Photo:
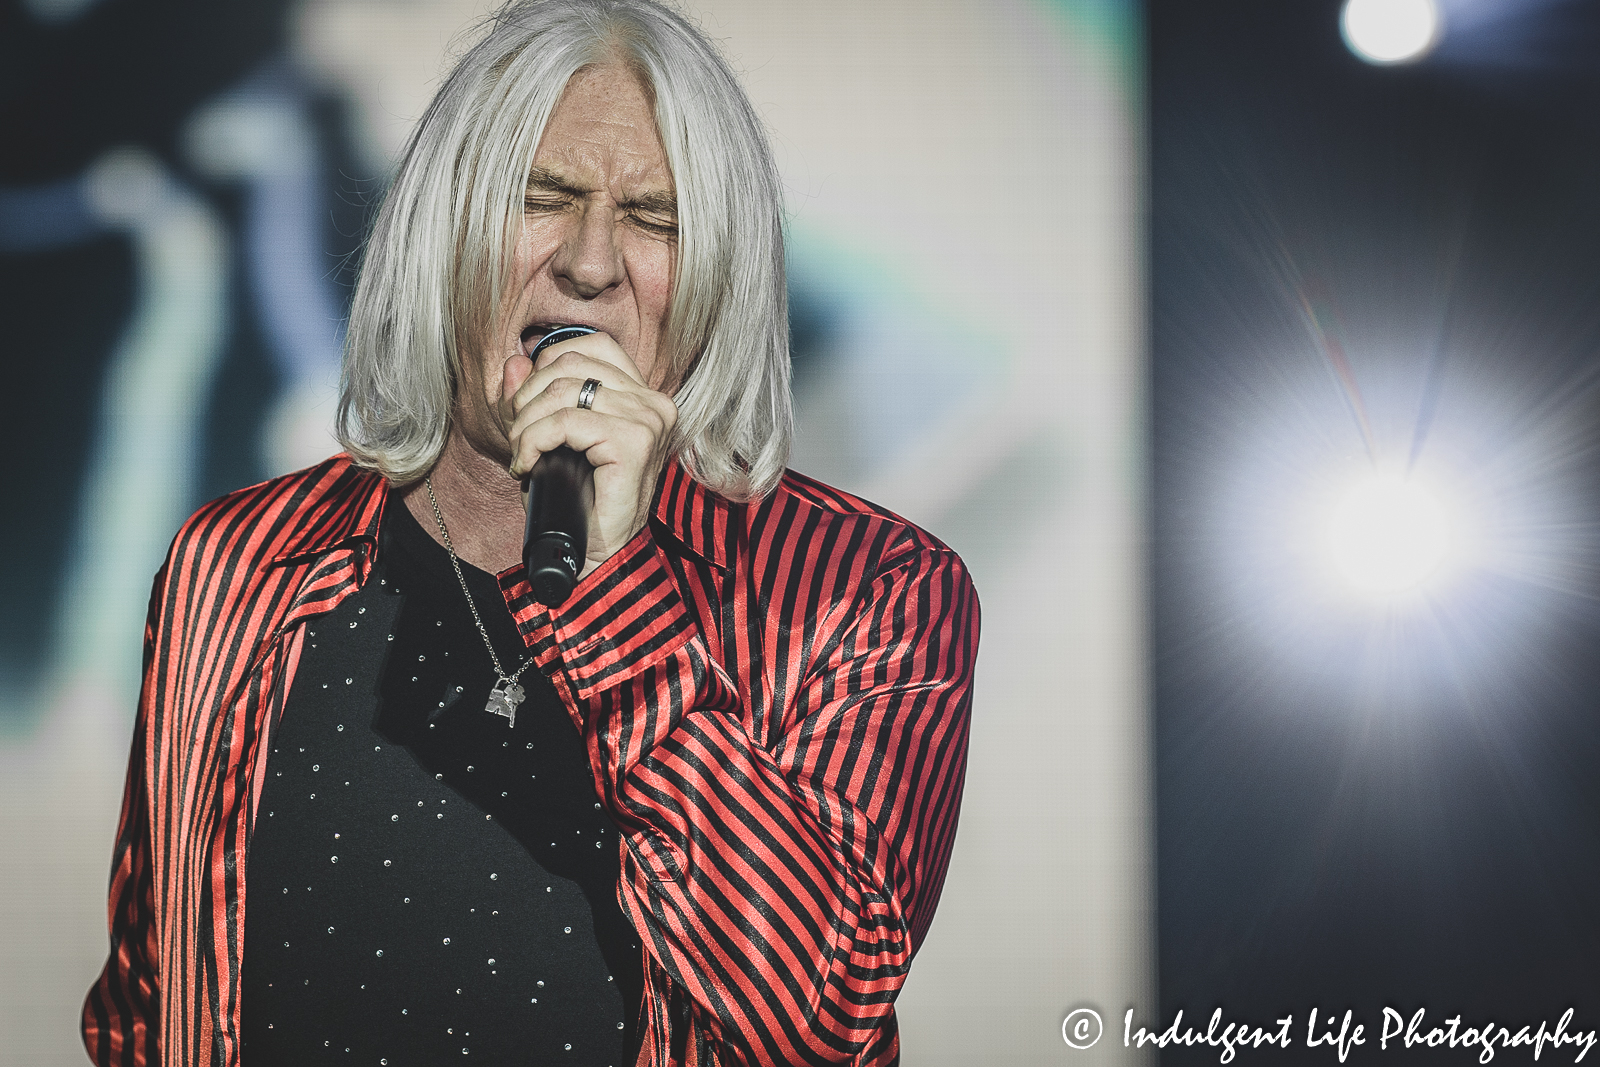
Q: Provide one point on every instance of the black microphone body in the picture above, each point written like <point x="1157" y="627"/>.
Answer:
<point x="560" y="493"/>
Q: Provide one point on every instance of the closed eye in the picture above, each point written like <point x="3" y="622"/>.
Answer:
<point x="655" y="212"/>
<point x="665" y="226"/>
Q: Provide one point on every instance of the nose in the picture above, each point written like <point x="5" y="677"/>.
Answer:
<point x="589" y="260"/>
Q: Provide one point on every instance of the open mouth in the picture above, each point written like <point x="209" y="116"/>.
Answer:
<point x="535" y="332"/>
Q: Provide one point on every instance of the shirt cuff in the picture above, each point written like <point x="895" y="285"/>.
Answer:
<point x="623" y="618"/>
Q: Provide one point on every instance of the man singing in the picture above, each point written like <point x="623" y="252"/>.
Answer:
<point x="383" y="806"/>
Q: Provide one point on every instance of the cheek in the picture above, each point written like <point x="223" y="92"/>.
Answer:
<point x="472" y="389"/>
<point x="653" y="282"/>
<point x="541" y="239"/>
<point x="653" y="290"/>
<point x="477" y="386"/>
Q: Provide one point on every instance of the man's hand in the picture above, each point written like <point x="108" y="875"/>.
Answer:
<point x="624" y="435"/>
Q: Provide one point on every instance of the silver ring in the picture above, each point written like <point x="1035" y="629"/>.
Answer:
<point x="586" y="394"/>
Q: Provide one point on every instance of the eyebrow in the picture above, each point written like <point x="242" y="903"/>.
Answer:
<point x="655" y="203"/>
<point x="543" y="180"/>
<point x="549" y="181"/>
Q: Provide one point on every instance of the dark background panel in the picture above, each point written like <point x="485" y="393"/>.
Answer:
<point x="1358" y="809"/>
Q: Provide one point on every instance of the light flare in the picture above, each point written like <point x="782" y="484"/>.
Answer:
<point x="1386" y="32"/>
<point x="1389" y="534"/>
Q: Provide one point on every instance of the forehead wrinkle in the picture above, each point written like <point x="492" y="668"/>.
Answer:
<point x="603" y="137"/>
<point x="634" y="178"/>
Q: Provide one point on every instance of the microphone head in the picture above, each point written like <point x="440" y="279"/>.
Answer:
<point x="559" y="334"/>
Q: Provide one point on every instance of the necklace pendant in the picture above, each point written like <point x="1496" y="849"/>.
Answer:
<point x="503" y="700"/>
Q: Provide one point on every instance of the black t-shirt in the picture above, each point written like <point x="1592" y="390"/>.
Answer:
<point x="427" y="883"/>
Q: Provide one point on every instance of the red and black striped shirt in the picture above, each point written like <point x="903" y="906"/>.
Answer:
<point x="774" y="697"/>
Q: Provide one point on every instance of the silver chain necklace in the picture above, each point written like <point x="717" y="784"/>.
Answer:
<point x="507" y="693"/>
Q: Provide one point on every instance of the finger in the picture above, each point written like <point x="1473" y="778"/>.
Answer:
<point x="578" y="366"/>
<point x="642" y="422"/>
<point x="513" y="374"/>
<point x="598" y="346"/>
<point x="577" y="429"/>
<point x="636" y="405"/>
<point x="652" y="411"/>
<point x="627" y="444"/>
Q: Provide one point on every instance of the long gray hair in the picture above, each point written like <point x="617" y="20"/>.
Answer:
<point x="437" y="260"/>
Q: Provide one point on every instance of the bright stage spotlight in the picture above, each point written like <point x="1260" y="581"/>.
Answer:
<point x="1388" y="535"/>
<point x="1390" y="31"/>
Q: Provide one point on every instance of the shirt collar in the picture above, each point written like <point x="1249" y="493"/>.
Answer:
<point x="693" y="514"/>
<point x="353" y="499"/>
<point x="349" y="507"/>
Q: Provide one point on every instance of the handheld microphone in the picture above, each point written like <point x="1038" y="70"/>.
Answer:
<point x="560" y="494"/>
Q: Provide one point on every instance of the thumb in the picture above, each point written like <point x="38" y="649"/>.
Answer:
<point x="515" y="372"/>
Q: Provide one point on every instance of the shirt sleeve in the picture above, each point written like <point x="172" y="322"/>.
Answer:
<point x="785" y="885"/>
<point x="121" y="1014"/>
